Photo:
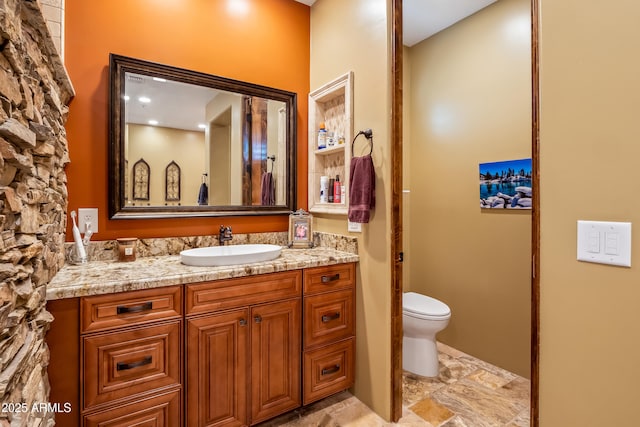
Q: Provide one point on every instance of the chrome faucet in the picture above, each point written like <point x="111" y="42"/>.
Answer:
<point x="225" y="234"/>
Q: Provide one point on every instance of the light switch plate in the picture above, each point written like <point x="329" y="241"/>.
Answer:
<point x="88" y="215"/>
<point x="605" y="242"/>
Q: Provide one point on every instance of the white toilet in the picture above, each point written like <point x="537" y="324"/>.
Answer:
<point x="423" y="317"/>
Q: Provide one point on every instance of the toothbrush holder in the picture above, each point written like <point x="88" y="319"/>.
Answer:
<point x="74" y="257"/>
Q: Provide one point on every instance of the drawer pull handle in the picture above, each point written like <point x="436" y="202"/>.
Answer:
<point x="326" y="318"/>
<point x="120" y="366"/>
<point x="331" y="370"/>
<point x="243" y="322"/>
<point x="258" y="319"/>
<point x="329" y="279"/>
<point x="135" y="308"/>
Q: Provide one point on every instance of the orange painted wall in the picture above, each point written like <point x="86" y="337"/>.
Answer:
<point x="267" y="44"/>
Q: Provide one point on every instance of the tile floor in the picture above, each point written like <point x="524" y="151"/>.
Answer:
<point x="467" y="393"/>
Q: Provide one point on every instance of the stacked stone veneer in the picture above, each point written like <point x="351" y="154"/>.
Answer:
<point x="34" y="93"/>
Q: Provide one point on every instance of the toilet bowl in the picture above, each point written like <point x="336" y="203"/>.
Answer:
<point x="423" y="317"/>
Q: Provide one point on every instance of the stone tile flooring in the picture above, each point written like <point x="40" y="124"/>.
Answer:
<point x="467" y="393"/>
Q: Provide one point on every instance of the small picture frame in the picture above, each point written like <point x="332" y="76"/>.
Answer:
<point x="300" y="229"/>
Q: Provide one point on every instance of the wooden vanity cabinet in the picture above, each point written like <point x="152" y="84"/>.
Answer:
<point x="243" y="360"/>
<point x="231" y="352"/>
<point x="329" y="331"/>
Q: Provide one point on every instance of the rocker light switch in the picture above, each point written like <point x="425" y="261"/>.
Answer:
<point x="594" y="242"/>
<point x="605" y="242"/>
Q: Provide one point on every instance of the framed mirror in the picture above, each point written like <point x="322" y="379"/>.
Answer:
<point x="235" y="143"/>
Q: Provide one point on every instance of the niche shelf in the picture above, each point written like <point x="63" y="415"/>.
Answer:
<point x="332" y="104"/>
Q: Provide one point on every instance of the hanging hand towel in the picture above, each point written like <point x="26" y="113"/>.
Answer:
<point x="203" y="195"/>
<point x="267" y="192"/>
<point x="362" y="189"/>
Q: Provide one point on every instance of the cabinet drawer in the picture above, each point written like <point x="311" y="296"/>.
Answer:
<point x="118" y="365"/>
<point x="104" y="312"/>
<point x="160" y="410"/>
<point x="328" y="317"/>
<point x="324" y="279"/>
<point x="328" y="370"/>
<point x="243" y="291"/>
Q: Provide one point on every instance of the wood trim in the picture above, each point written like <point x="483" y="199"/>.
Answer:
<point x="396" y="211"/>
<point x="535" y="214"/>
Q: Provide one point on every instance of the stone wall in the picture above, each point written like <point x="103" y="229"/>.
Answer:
<point x="34" y="93"/>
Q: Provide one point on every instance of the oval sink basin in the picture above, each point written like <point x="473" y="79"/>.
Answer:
<point x="229" y="255"/>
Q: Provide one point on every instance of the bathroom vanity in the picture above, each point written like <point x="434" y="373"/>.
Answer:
<point x="201" y="346"/>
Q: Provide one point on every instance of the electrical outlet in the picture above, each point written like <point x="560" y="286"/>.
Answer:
<point x="88" y="216"/>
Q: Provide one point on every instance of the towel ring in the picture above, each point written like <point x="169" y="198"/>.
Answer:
<point x="367" y="134"/>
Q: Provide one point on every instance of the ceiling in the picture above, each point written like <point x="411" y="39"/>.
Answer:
<point x="424" y="18"/>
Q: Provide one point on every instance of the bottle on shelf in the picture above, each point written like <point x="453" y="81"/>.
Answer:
<point x="331" y="189"/>
<point x="324" y="189"/>
<point x="337" y="190"/>
<point x="322" y="137"/>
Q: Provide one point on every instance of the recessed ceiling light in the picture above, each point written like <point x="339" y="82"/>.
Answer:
<point x="144" y="99"/>
<point x="153" y="122"/>
<point x="202" y="126"/>
<point x="238" y="7"/>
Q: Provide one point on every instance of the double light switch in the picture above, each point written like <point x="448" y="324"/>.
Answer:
<point x="605" y="242"/>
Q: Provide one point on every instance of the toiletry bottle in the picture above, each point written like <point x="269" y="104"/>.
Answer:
<point x="343" y="199"/>
<point x="331" y="189"/>
<point x="324" y="189"/>
<point x="337" y="190"/>
<point x="331" y="139"/>
<point x="322" y="137"/>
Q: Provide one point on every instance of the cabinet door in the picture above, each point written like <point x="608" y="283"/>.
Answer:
<point x="119" y="365"/>
<point x="328" y="318"/>
<point x="161" y="410"/>
<point x="328" y="370"/>
<point x="275" y="359"/>
<point x="217" y="356"/>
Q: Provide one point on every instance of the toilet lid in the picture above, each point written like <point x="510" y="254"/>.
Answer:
<point x="424" y="305"/>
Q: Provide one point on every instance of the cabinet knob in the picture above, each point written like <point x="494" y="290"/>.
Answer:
<point x="257" y="318"/>
<point x="243" y="322"/>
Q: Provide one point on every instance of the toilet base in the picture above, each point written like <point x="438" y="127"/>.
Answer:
<point x="420" y="356"/>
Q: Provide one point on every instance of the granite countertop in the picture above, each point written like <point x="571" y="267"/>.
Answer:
<point x="104" y="277"/>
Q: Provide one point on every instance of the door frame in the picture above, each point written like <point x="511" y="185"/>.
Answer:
<point x="396" y="211"/>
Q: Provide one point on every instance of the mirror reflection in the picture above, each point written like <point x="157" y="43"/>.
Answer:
<point x="186" y="143"/>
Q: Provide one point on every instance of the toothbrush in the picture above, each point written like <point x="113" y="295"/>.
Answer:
<point x="87" y="234"/>
<point x="78" y="239"/>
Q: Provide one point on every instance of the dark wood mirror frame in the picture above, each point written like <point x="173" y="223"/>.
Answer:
<point x="118" y="67"/>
